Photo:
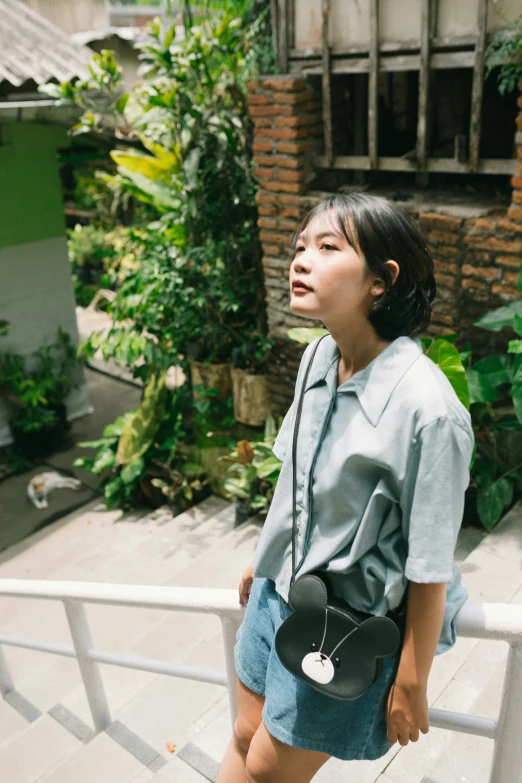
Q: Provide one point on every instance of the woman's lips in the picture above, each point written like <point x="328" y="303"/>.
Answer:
<point x="300" y="288"/>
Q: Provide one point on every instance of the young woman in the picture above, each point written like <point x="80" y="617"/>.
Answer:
<point x="383" y="452"/>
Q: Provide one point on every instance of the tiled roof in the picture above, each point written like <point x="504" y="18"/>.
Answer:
<point x="34" y="49"/>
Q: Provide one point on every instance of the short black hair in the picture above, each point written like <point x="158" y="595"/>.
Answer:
<point x="381" y="230"/>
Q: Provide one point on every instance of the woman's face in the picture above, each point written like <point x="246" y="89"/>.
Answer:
<point x="341" y="290"/>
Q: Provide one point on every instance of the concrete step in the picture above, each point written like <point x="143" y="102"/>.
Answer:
<point x="35" y="750"/>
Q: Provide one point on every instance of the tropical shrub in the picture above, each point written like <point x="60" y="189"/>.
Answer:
<point x="143" y="456"/>
<point x="505" y="52"/>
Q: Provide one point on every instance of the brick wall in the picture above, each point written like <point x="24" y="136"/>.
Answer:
<point x="476" y="259"/>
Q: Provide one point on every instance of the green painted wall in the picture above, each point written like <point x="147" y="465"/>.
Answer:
<point x="30" y="191"/>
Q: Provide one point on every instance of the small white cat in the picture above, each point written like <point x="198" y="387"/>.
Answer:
<point x="43" y="483"/>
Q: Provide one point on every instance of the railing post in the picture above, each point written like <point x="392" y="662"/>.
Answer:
<point x="507" y="756"/>
<point x="92" y="681"/>
<point x="230" y="626"/>
<point x="6" y="683"/>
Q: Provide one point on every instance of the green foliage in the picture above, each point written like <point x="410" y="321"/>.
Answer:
<point x="36" y="385"/>
<point x="138" y="433"/>
<point x="101" y="258"/>
<point x="496" y="386"/>
<point x="254" y="471"/>
<point x="162" y="472"/>
<point x="306" y="334"/>
<point x="448" y="359"/>
<point x="505" y="51"/>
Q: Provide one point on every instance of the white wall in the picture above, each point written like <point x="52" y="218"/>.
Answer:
<point x="36" y="297"/>
<point x="399" y="20"/>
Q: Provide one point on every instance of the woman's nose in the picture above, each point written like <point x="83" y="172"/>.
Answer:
<point x="301" y="262"/>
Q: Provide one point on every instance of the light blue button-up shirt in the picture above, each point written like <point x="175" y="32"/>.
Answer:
<point x="382" y="467"/>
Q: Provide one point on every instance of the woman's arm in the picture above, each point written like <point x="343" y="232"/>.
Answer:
<point x="408" y="703"/>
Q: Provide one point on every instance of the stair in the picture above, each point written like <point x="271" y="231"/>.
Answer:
<point x="46" y="732"/>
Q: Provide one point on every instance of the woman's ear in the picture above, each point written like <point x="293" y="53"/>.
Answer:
<point x="394" y="268"/>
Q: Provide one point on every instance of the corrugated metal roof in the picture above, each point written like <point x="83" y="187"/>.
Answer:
<point x="32" y="48"/>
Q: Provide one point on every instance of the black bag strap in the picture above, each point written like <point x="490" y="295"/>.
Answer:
<point x="294" y="455"/>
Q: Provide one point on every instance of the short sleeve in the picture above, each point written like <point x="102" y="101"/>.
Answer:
<point x="432" y="499"/>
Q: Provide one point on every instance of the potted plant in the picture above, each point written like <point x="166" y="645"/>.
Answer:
<point x="35" y="388"/>
<point x="252" y="476"/>
<point x="250" y="388"/>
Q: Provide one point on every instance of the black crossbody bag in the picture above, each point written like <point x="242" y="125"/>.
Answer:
<point x="325" y="643"/>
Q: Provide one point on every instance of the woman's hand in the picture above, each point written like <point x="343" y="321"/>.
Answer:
<point x="245" y="586"/>
<point x="407" y="713"/>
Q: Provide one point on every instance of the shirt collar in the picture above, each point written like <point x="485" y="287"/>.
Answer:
<point x="376" y="382"/>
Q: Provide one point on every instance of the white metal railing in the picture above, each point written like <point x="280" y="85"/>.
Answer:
<point x="501" y="622"/>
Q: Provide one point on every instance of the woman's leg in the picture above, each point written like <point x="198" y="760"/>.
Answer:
<point x="249" y="708"/>
<point x="271" y="761"/>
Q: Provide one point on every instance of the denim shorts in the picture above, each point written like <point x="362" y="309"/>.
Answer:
<point x="295" y="713"/>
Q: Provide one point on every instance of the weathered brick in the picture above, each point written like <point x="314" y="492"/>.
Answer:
<point x="515" y="213"/>
<point x="257" y="99"/>
<point x="517" y="194"/>
<point x="513" y="262"/>
<point x="262" y="146"/>
<point x="275" y="263"/>
<point x="253" y="85"/>
<point x="266" y="198"/>
<point x="272" y="250"/>
<point x="506" y="290"/>
<point x="509" y="227"/>
<point x="287" y="225"/>
<point x="297" y="121"/>
<point x="293" y="97"/>
<point x="485" y="272"/>
<point x="445" y="266"/>
<point x="519" y="166"/>
<point x="441" y="330"/>
<point x="263" y="173"/>
<point x="519" y="151"/>
<point x="274" y="237"/>
<point x="447" y="320"/>
<point x="286" y="175"/>
<point x="519" y="101"/>
<point x="262" y="122"/>
<point x="286" y="187"/>
<point x="285" y="83"/>
<point x="446" y="237"/>
<point x="295" y="147"/>
<point x="265" y="211"/>
<point x="492" y="243"/>
<point x="287" y="162"/>
<point x="510" y="277"/>
<point x="516" y="182"/>
<point x="484" y="225"/>
<point x="313" y="106"/>
<point x="518" y="121"/>
<point x="434" y="220"/>
<point x="290" y="200"/>
<point x="477" y="285"/>
<point x="290" y="212"/>
<point x="265" y="222"/>
<point x="280" y="133"/>
<point x="263" y="111"/>
<point x="444" y="279"/>
<point x="448" y="250"/>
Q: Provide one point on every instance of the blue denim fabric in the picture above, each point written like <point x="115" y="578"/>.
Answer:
<point x="295" y="713"/>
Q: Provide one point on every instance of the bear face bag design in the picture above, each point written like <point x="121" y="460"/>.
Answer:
<point x="325" y="643"/>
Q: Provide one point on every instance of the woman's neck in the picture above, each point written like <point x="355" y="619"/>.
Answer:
<point x="358" y="347"/>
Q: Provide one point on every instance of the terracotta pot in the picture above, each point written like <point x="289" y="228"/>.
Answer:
<point x="216" y="376"/>
<point x="251" y="397"/>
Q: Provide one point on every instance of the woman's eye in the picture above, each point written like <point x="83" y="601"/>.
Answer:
<point x="327" y="246"/>
<point x="299" y="249"/>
